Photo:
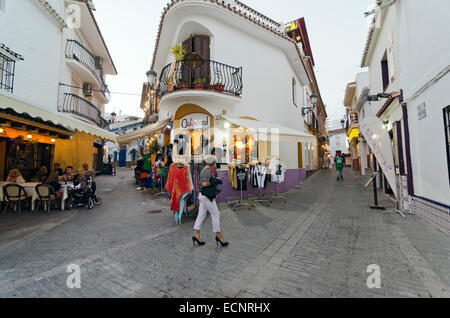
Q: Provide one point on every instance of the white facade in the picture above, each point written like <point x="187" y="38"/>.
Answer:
<point x="40" y="35"/>
<point x="270" y="62"/>
<point x="413" y="36"/>
<point x="424" y="63"/>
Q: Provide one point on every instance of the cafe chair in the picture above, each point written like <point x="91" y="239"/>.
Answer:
<point x="47" y="195"/>
<point x="15" y="195"/>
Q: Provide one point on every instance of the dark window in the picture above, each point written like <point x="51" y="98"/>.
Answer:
<point x="447" y="135"/>
<point x="7" y="67"/>
<point x="385" y="71"/>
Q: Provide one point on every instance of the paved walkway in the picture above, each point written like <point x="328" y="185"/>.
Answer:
<point x="319" y="244"/>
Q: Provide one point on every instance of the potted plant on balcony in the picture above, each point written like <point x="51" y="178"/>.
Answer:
<point x="199" y="83"/>
<point x="209" y="86"/>
<point x="219" y="87"/>
<point x="178" y="51"/>
<point x="182" y="84"/>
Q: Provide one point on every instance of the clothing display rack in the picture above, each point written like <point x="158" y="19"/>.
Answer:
<point x="241" y="177"/>
<point x="161" y="182"/>
<point x="278" y="172"/>
<point x="261" y="198"/>
<point x="278" y="196"/>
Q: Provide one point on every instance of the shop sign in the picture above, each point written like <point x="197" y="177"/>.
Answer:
<point x="354" y="117"/>
<point x="379" y="141"/>
<point x="291" y="26"/>
<point x="195" y="121"/>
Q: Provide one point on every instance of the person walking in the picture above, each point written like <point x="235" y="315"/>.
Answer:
<point x="208" y="203"/>
<point x="340" y="166"/>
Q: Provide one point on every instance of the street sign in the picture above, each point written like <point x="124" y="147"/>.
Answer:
<point x="422" y="111"/>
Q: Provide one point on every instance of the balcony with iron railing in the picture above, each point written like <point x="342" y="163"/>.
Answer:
<point x="201" y="75"/>
<point x="75" y="51"/>
<point x="74" y="104"/>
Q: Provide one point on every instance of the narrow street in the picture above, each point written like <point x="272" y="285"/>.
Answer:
<point x="319" y="244"/>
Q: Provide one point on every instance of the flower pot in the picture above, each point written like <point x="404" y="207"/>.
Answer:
<point x="219" y="87"/>
<point x="199" y="85"/>
<point x="183" y="85"/>
<point x="209" y="87"/>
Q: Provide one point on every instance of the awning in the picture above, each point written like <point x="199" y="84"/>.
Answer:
<point x="264" y="129"/>
<point x="22" y="107"/>
<point x="143" y="132"/>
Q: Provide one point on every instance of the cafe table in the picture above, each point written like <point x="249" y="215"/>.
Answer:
<point x="30" y="189"/>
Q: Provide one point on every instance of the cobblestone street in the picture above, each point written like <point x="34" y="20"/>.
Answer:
<point x="319" y="244"/>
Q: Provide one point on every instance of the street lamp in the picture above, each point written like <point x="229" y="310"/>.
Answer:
<point x="313" y="99"/>
<point x="151" y="76"/>
<point x="343" y="123"/>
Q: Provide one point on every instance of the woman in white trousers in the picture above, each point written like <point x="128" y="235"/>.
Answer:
<point x="206" y="205"/>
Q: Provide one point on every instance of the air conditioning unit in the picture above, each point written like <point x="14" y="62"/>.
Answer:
<point x="98" y="62"/>
<point x="87" y="89"/>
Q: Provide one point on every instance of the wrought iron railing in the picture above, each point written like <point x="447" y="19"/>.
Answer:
<point x="74" y="104"/>
<point x="203" y="75"/>
<point x="75" y="50"/>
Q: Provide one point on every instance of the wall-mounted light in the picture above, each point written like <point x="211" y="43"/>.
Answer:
<point x="29" y="136"/>
<point x="53" y="140"/>
<point x="227" y="125"/>
<point x="2" y="131"/>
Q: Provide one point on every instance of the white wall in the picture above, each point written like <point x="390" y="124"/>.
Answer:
<point x="38" y="40"/>
<point x="343" y="145"/>
<point x="421" y="51"/>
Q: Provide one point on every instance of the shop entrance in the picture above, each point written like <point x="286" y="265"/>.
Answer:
<point x="27" y="156"/>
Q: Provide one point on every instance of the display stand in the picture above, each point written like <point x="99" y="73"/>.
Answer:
<point x="241" y="177"/>
<point x="261" y="198"/>
<point x="163" y="191"/>
<point x="278" y="196"/>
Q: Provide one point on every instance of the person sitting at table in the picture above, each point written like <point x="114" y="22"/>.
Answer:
<point x="41" y="174"/>
<point x="69" y="175"/>
<point x="57" y="167"/>
<point x="53" y="179"/>
<point x="14" y="176"/>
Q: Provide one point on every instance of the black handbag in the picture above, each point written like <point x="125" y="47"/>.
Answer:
<point x="212" y="191"/>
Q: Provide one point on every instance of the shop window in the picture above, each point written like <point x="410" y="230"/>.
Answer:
<point x="447" y="136"/>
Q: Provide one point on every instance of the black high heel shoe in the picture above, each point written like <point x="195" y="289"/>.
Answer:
<point x="194" y="240"/>
<point x="221" y="243"/>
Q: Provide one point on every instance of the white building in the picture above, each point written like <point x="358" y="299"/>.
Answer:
<point x="407" y="53"/>
<point x="58" y="81"/>
<point x="337" y="138"/>
<point x="261" y="70"/>
<point x="126" y="155"/>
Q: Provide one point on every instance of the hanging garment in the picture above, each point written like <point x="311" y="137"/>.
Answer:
<point x="261" y="176"/>
<point x="179" y="214"/>
<point x="147" y="162"/>
<point x="277" y="171"/>
<point x="241" y="185"/>
<point x="177" y="185"/>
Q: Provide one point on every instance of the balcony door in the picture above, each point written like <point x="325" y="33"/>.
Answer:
<point x="199" y="44"/>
